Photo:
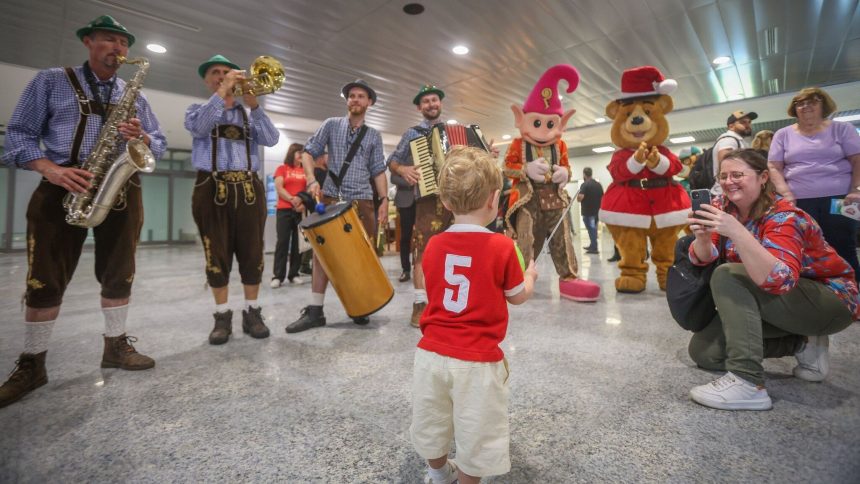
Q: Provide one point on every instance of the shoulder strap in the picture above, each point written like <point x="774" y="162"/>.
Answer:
<point x="85" y="109"/>
<point x="338" y="179"/>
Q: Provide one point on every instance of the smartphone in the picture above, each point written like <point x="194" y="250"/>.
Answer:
<point x="700" y="197"/>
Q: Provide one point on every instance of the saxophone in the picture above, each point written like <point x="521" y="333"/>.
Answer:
<point x="110" y="168"/>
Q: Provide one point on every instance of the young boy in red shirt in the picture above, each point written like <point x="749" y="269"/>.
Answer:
<point x="460" y="380"/>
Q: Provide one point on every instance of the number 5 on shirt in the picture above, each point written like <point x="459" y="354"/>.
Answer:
<point x="462" y="282"/>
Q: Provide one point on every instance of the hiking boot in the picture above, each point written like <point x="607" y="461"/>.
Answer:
<point x="252" y="323"/>
<point x="312" y="317"/>
<point x="223" y="328"/>
<point x="28" y="375"/>
<point x="119" y="353"/>
<point x="417" y="311"/>
<point x="362" y="321"/>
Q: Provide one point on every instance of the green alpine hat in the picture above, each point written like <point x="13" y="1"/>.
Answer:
<point x="427" y="89"/>
<point x="216" y="59"/>
<point x="105" y="22"/>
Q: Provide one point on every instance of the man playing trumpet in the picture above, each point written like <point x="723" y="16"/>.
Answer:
<point x="229" y="200"/>
<point x="49" y="113"/>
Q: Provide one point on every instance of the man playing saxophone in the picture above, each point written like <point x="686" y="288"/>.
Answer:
<point x="229" y="201"/>
<point x="64" y="109"/>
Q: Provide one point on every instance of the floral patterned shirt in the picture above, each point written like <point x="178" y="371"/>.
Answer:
<point x="796" y="240"/>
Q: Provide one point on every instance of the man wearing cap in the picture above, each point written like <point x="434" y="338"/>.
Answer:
<point x="229" y="202"/>
<point x="430" y="217"/>
<point x="739" y="126"/>
<point x="49" y="114"/>
<point x="349" y="179"/>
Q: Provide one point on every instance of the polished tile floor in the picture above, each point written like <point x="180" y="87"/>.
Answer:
<point x="599" y="393"/>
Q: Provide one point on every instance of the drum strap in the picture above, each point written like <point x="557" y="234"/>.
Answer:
<point x="338" y="179"/>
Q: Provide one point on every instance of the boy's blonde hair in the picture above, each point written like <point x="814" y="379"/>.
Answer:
<point x="467" y="179"/>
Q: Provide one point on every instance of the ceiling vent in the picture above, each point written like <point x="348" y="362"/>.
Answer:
<point x="771" y="86"/>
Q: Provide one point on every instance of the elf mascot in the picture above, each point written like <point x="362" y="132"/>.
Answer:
<point x="643" y="201"/>
<point x="536" y="164"/>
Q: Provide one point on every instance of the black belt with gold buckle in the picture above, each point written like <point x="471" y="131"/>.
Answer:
<point x="646" y="183"/>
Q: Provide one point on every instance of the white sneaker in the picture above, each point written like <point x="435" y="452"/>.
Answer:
<point x="731" y="392"/>
<point x="813" y="360"/>
<point x="297" y="280"/>
<point x="275" y="283"/>
<point x="450" y="478"/>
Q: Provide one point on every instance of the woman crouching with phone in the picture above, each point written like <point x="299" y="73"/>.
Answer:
<point x="782" y="290"/>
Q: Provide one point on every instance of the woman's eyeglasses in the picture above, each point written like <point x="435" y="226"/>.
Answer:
<point x="807" y="102"/>
<point x="735" y="176"/>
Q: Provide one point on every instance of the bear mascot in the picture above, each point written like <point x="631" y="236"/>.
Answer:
<point x="536" y="164"/>
<point x="643" y="202"/>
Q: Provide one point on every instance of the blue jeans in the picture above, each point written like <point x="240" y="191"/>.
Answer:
<point x="591" y="227"/>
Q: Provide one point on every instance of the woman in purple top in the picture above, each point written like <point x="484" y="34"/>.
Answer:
<point x="815" y="161"/>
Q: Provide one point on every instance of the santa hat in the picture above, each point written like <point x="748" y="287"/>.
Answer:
<point x="645" y="81"/>
<point x="544" y="96"/>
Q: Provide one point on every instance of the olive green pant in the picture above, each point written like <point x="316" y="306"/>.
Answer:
<point x="752" y="324"/>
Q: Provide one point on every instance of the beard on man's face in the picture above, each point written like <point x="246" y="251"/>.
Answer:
<point x="357" y="109"/>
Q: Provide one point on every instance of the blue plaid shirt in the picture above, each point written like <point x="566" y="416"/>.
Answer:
<point x="403" y="153"/>
<point x="48" y="112"/>
<point x="200" y="119"/>
<point x="369" y="160"/>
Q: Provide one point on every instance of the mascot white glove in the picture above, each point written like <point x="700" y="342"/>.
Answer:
<point x="560" y="175"/>
<point x="537" y="169"/>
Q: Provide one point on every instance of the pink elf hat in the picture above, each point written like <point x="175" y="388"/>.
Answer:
<point x="645" y="81"/>
<point x="544" y="96"/>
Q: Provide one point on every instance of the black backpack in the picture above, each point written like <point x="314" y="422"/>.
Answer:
<point x="702" y="173"/>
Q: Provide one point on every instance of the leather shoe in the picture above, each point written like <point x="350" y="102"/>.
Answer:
<point x="312" y="317"/>
<point x="404" y="276"/>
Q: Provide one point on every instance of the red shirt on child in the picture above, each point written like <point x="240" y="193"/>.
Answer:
<point x="468" y="271"/>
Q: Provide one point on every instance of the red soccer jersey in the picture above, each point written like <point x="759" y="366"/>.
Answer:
<point x="468" y="271"/>
<point x="294" y="182"/>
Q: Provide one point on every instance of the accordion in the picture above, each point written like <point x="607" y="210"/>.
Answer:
<point x="428" y="152"/>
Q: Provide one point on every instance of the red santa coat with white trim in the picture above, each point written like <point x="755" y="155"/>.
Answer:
<point x="633" y="206"/>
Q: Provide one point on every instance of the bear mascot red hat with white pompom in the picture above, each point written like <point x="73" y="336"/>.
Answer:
<point x="643" y="202"/>
<point x="536" y="164"/>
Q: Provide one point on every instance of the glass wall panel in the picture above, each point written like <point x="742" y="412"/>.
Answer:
<point x="156" y="190"/>
<point x="184" y="228"/>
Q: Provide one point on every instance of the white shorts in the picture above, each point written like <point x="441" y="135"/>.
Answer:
<point x="466" y="401"/>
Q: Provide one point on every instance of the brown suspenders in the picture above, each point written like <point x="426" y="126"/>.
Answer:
<point x="86" y="110"/>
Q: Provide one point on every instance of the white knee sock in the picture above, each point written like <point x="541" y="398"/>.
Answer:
<point x="37" y="336"/>
<point x="222" y="308"/>
<point x="251" y="303"/>
<point x="115" y="320"/>
<point x="317" y="299"/>
<point x="420" y="295"/>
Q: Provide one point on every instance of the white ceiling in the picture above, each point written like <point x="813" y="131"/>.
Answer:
<point x="777" y="46"/>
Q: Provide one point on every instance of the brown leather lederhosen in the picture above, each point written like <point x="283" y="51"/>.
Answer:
<point x="54" y="246"/>
<point x="230" y="212"/>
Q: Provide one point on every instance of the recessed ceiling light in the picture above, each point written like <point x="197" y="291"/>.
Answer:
<point x="682" y="139"/>
<point x="280" y="125"/>
<point x="452" y="121"/>
<point x="157" y="48"/>
<point x="603" y="149"/>
<point x="737" y="95"/>
<point x="600" y="119"/>
<point x="460" y="50"/>
<point x="723" y="59"/>
<point x="506" y="136"/>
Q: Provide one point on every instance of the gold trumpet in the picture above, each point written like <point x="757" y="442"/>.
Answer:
<point x="267" y="76"/>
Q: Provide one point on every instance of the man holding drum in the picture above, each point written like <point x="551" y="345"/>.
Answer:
<point x="355" y="160"/>
<point x="430" y="216"/>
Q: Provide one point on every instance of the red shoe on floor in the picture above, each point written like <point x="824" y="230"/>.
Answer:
<point x="579" y="290"/>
